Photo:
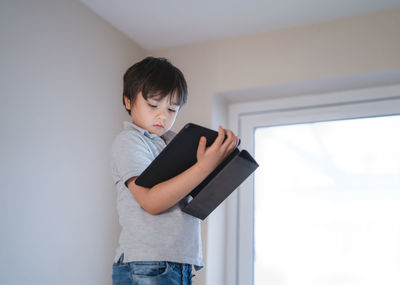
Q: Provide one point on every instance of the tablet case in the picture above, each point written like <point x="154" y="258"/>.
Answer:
<point x="180" y="154"/>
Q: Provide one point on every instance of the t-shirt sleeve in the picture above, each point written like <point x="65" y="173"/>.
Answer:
<point x="130" y="156"/>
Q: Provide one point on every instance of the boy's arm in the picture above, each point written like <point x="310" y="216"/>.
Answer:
<point x="166" y="194"/>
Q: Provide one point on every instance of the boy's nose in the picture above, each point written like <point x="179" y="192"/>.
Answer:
<point x="162" y="114"/>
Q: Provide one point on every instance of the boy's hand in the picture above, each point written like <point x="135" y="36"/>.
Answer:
<point x="209" y="158"/>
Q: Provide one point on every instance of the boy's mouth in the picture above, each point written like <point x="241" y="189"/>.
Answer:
<point x="158" y="126"/>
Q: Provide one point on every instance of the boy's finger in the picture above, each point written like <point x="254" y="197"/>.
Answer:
<point x="230" y="138"/>
<point x="221" y="136"/>
<point x="233" y="145"/>
<point x="202" y="146"/>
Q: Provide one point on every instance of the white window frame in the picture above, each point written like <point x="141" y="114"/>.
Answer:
<point x="245" y="117"/>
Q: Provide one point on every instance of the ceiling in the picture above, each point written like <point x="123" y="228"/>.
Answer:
<point x="155" y="24"/>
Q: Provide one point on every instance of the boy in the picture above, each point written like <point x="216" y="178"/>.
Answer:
<point x="158" y="243"/>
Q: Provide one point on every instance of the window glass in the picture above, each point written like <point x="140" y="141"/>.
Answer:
<point x="327" y="203"/>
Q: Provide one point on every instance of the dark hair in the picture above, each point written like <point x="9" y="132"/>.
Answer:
<point x="155" y="78"/>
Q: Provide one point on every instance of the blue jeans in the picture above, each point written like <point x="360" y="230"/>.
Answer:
<point x="151" y="273"/>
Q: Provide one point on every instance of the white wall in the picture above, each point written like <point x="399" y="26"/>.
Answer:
<point x="60" y="107"/>
<point x="60" y="83"/>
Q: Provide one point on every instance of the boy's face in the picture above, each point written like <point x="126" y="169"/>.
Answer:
<point x="155" y="116"/>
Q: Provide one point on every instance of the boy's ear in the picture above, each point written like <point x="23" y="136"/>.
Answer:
<point x="127" y="103"/>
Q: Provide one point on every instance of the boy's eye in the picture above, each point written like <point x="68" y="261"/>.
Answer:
<point x="172" y="110"/>
<point x="152" y="106"/>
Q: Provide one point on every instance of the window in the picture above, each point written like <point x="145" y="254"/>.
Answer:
<point x="327" y="203"/>
<point x="306" y="115"/>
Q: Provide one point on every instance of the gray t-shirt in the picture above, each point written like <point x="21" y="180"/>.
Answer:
<point x="170" y="236"/>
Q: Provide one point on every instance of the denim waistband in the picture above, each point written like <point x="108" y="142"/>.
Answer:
<point x="182" y="266"/>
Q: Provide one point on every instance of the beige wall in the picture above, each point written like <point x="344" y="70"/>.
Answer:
<point x="60" y="108"/>
<point x="347" y="48"/>
<point x="356" y="45"/>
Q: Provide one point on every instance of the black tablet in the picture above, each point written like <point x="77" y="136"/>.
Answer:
<point x="180" y="154"/>
<point x="177" y="156"/>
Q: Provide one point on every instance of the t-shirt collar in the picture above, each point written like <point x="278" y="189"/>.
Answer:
<point x="130" y="126"/>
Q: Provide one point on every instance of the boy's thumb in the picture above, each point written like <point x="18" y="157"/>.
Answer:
<point x="202" y="145"/>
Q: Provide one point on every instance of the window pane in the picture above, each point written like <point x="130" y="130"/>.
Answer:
<point x="327" y="203"/>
